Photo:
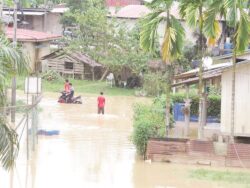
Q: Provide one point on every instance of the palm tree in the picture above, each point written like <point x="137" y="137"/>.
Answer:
<point x="172" y="42"/>
<point x="12" y="62"/>
<point x="193" y="12"/>
<point x="236" y="13"/>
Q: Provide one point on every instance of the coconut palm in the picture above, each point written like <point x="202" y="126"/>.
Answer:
<point x="12" y="62"/>
<point x="236" y="14"/>
<point x="172" y="42"/>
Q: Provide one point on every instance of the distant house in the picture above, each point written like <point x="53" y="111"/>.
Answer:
<point x="39" y="19"/>
<point x="34" y="43"/>
<point x="77" y="65"/>
<point x="130" y="15"/>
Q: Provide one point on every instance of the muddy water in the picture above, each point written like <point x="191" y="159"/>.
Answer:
<point x="93" y="151"/>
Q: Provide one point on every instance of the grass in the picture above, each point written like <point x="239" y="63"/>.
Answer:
<point x="223" y="176"/>
<point x="81" y="86"/>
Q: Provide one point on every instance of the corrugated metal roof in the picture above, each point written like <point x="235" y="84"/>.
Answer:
<point x="24" y="13"/>
<point x="25" y="35"/>
<point x="59" y="10"/>
<point x="78" y="56"/>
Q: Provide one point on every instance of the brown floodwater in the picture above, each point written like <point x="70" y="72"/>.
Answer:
<point x="93" y="151"/>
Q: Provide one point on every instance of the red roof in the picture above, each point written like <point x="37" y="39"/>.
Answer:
<point x="25" y="35"/>
<point x="119" y="3"/>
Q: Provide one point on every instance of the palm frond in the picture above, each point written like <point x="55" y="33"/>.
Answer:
<point x="212" y="40"/>
<point x="242" y="32"/>
<point x="180" y="36"/>
<point x="160" y="4"/>
<point x="189" y="10"/>
<point x="210" y="22"/>
<point x="148" y="34"/>
<point x="173" y="40"/>
<point x="8" y="144"/>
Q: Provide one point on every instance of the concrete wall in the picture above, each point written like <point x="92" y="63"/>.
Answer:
<point x="37" y="23"/>
<point x="53" y="24"/>
<point x="242" y="102"/>
<point x="31" y="48"/>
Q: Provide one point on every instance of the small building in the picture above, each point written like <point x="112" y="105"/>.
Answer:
<point x="39" y="19"/>
<point x="34" y="43"/>
<point x="222" y="74"/>
<point x="242" y="100"/>
<point x="76" y="64"/>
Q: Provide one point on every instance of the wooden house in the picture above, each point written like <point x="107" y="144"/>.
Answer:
<point x="76" y="64"/>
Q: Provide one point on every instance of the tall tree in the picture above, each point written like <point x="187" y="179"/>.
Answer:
<point x="236" y="14"/>
<point x="107" y="41"/>
<point x="12" y="62"/>
<point x="193" y="12"/>
<point x="172" y="43"/>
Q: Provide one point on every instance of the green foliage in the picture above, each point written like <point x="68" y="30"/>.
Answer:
<point x="52" y="75"/>
<point x="149" y="121"/>
<point x="174" y="32"/>
<point x="154" y="84"/>
<point x="183" y="62"/>
<point x="222" y="176"/>
<point x="236" y="16"/>
<point x="107" y="41"/>
<point x="12" y="63"/>
<point x="8" y="144"/>
<point x="214" y="103"/>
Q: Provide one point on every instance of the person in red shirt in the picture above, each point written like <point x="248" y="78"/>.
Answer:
<point x="66" y="86"/>
<point x="101" y="103"/>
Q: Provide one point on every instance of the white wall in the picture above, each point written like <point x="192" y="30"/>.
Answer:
<point x="130" y="23"/>
<point x="29" y="49"/>
<point x="242" y="101"/>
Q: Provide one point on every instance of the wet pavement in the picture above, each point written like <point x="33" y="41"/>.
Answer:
<point x="93" y="151"/>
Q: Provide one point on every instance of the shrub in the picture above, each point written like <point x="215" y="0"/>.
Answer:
<point x="149" y="121"/>
<point x="214" y="103"/>
<point x="154" y="84"/>
<point x="52" y="75"/>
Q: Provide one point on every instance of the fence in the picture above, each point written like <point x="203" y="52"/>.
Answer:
<point x="28" y="122"/>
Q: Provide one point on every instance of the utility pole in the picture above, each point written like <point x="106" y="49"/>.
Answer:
<point x="1" y="8"/>
<point x="13" y="93"/>
<point x="45" y="16"/>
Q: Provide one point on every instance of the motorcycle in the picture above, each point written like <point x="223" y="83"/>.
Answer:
<point x="64" y="98"/>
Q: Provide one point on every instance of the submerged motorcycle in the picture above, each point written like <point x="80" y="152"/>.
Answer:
<point x="64" y="98"/>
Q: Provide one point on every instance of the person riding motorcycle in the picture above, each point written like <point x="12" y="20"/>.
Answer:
<point x="70" y="95"/>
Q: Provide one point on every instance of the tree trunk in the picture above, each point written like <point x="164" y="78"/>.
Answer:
<point x="104" y="74"/>
<point x="200" y="86"/>
<point x="168" y="99"/>
<point x="167" y="117"/>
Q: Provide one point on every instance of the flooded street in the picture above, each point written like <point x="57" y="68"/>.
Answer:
<point x="93" y="151"/>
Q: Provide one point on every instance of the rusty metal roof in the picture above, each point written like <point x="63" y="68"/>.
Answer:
<point x="78" y="56"/>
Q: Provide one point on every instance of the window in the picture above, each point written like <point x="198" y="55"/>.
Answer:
<point x="68" y="65"/>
